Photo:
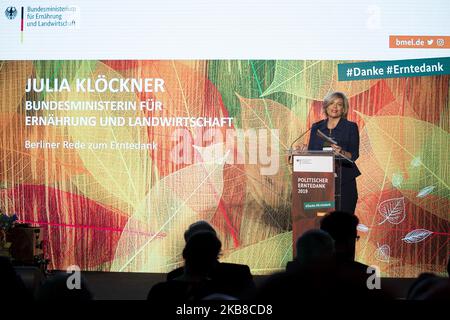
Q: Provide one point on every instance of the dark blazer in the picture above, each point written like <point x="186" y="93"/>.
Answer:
<point x="232" y="279"/>
<point x="346" y="134"/>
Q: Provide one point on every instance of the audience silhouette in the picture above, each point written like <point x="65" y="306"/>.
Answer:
<point x="310" y="277"/>
<point x="313" y="248"/>
<point x="342" y="227"/>
<point x="324" y="269"/>
<point x="325" y="265"/>
<point x="231" y="279"/>
<point x="200" y="254"/>
<point x="12" y="286"/>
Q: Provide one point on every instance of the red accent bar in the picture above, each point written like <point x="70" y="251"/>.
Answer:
<point x="21" y="20"/>
<point x="64" y="225"/>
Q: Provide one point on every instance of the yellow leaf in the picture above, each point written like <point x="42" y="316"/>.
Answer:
<point x="267" y="256"/>
<point x="152" y="240"/>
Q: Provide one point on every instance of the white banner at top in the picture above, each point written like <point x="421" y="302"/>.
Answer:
<point x="224" y="29"/>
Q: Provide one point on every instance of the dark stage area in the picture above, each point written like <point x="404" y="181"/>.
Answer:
<point x="135" y="286"/>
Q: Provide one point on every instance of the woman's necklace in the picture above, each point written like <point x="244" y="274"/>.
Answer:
<point x="329" y="126"/>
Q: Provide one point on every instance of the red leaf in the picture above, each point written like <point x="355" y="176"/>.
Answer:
<point x="188" y="93"/>
<point x="77" y="230"/>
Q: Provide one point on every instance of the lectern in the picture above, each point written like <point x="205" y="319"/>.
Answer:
<point x="316" y="188"/>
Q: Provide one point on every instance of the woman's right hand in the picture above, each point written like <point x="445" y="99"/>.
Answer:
<point x="300" y="148"/>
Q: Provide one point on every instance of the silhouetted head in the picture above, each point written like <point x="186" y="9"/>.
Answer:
<point x="57" y="288"/>
<point x="315" y="247"/>
<point x="342" y="228"/>
<point x="201" y="252"/>
<point x="199" y="226"/>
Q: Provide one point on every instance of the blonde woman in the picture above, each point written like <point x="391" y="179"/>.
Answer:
<point x="346" y="134"/>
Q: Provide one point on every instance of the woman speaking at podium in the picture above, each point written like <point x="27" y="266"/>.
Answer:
<point x="346" y="135"/>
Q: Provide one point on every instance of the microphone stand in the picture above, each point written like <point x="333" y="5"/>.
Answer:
<point x="299" y="137"/>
